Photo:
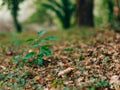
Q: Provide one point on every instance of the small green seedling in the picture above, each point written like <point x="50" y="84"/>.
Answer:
<point x="43" y="49"/>
<point x="68" y="49"/>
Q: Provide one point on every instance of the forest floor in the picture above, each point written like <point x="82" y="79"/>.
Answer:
<point x="80" y="60"/>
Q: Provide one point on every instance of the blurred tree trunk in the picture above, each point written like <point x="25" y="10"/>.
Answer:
<point x="118" y="4"/>
<point x="84" y="12"/>
<point x="110" y="7"/>
<point x="14" y="13"/>
<point x="17" y="24"/>
<point x="116" y="24"/>
<point x="116" y="14"/>
<point x="13" y="6"/>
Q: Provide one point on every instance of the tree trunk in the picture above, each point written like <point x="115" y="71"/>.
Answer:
<point x="110" y="7"/>
<point x="67" y="18"/>
<point x="17" y="24"/>
<point x="118" y="4"/>
<point x="85" y="12"/>
<point x="14" y="13"/>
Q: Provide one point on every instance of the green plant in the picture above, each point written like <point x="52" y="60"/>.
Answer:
<point x="102" y="83"/>
<point x="58" y="81"/>
<point x="68" y="49"/>
<point x="81" y="57"/>
<point x="38" y="43"/>
<point x="66" y="88"/>
<point x="92" y="88"/>
<point x="106" y="59"/>
<point x="16" y="78"/>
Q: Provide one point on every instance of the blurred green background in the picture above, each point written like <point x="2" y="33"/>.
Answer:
<point x="21" y="15"/>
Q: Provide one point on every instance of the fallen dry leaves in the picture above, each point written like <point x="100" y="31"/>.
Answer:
<point x="79" y="67"/>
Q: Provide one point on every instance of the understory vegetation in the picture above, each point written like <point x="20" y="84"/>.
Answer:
<point x="77" y="63"/>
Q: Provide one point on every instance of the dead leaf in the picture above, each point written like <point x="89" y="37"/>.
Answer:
<point x="3" y="67"/>
<point x="114" y="79"/>
<point x="115" y="82"/>
<point x="37" y="77"/>
<point x="66" y="71"/>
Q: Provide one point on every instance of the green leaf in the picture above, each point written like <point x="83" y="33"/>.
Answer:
<point x="68" y="49"/>
<point x="55" y="82"/>
<point x="9" y="84"/>
<point x="10" y="75"/>
<point x="102" y="83"/>
<point x="50" y="38"/>
<point x="36" y="44"/>
<point x="16" y="58"/>
<point x="38" y="61"/>
<point x="22" y="82"/>
<point x="2" y="76"/>
<point x="106" y="59"/>
<point x="92" y="88"/>
<point x="29" y="55"/>
<point x="45" y="50"/>
<point x="66" y="88"/>
<point x="24" y="60"/>
<point x="41" y="32"/>
<point x="15" y="86"/>
<point x="30" y="40"/>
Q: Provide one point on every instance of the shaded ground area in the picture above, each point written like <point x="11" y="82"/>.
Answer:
<point x="82" y="61"/>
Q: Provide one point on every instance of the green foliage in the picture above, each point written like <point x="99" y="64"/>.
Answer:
<point x="66" y="88"/>
<point x="9" y="3"/>
<point x="16" y="58"/>
<point x="63" y="10"/>
<point x="40" y="11"/>
<point x="58" y="81"/>
<point x="68" y="49"/>
<point x="109" y="4"/>
<point x="29" y="55"/>
<point x="102" y="12"/>
<point x="81" y="57"/>
<point x="16" y="79"/>
<point x="102" y="83"/>
<point x="41" y="32"/>
<point x="39" y="43"/>
<point x="106" y="59"/>
<point x="13" y="6"/>
<point x="92" y="88"/>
